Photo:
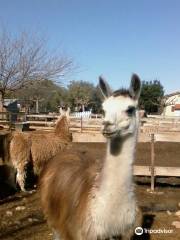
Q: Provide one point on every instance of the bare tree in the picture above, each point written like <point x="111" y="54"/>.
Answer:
<point x="25" y="59"/>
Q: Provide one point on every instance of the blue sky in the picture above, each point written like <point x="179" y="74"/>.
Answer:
<point x="110" y="37"/>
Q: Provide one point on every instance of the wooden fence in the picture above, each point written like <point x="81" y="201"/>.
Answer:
<point x="88" y="130"/>
<point x="151" y="169"/>
<point x="79" y="123"/>
<point x="154" y="170"/>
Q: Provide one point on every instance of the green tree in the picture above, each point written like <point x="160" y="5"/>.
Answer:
<point x="96" y="101"/>
<point x="80" y="94"/>
<point x="42" y="96"/>
<point x="151" y="96"/>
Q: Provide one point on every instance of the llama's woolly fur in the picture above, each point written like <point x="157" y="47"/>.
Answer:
<point x="38" y="147"/>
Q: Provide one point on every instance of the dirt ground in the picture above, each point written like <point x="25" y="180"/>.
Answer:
<point x="21" y="216"/>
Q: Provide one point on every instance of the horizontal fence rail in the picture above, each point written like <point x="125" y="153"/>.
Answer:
<point x="86" y="127"/>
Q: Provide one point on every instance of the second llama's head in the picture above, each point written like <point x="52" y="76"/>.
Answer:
<point x="62" y="127"/>
<point x="120" y="108"/>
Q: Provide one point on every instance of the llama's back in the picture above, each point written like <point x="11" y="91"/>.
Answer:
<point x="36" y="147"/>
<point x="44" y="147"/>
<point x="65" y="186"/>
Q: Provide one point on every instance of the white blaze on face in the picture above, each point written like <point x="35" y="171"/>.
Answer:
<point x="115" y="109"/>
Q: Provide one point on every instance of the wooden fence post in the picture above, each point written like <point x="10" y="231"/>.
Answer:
<point x="81" y="124"/>
<point x="152" y="162"/>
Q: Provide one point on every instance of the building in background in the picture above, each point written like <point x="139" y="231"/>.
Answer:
<point x="13" y="108"/>
<point x="172" y="105"/>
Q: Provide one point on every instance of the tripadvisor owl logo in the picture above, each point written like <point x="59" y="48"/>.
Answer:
<point x="138" y="231"/>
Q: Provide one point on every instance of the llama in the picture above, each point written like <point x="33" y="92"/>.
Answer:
<point x="36" y="148"/>
<point x="85" y="198"/>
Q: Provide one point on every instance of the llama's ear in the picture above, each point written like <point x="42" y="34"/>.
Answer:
<point x="135" y="86"/>
<point x="105" y="88"/>
<point x="61" y="111"/>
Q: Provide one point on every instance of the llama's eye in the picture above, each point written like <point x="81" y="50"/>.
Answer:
<point x="130" y="111"/>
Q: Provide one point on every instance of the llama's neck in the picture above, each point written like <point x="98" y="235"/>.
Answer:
<point x="62" y="128"/>
<point x="117" y="170"/>
<point x="113" y="205"/>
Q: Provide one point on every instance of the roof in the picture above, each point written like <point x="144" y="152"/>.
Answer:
<point x="172" y="94"/>
<point x="8" y="101"/>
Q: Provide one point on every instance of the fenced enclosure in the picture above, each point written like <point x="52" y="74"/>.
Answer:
<point x="80" y="121"/>
<point x="86" y="128"/>
<point x="158" y="156"/>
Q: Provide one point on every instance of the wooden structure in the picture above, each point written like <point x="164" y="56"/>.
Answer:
<point x="154" y="170"/>
<point x="151" y="169"/>
<point x="88" y="130"/>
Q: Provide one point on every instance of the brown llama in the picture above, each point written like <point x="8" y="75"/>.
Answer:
<point x="85" y="197"/>
<point x="37" y="148"/>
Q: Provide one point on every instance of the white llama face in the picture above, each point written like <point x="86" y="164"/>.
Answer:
<point x="120" y="116"/>
<point x="64" y="112"/>
<point x="120" y="109"/>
